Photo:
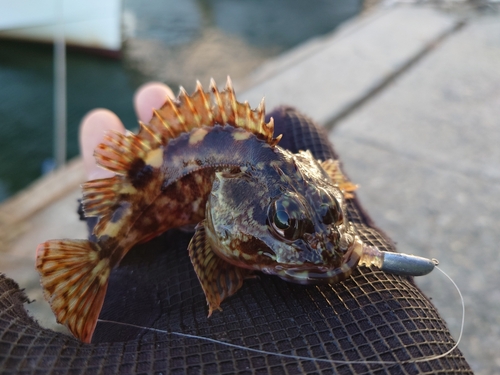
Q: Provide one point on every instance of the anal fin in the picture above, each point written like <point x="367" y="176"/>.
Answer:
<point x="218" y="278"/>
<point x="332" y="168"/>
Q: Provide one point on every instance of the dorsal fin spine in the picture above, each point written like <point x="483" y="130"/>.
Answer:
<point x="175" y="110"/>
<point x="154" y="138"/>
<point x="186" y="100"/>
<point x="166" y="130"/>
<point x="221" y="115"/>
<point x="207" y="105"/>
<point x="203" y="105"/>
<point x="232" y="101"/>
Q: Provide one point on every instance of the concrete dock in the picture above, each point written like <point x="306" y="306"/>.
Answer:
<point x="411" y="98"/>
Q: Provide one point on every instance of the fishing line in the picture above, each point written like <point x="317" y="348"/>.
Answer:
<point x="304" y="358"/>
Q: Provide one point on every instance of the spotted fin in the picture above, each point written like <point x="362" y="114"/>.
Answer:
<point x="135" y="164"/>
<point x="74" y="278"/>
<point x="228" y="110"/>
<point x="178" y="116"/>
<point x="109" y="199"/>
<point x="218" y="278"/>
<point x="332" y="167"/>
<point x="119" y="152"/>
<point x="205" y="108"/>
<point x="100" y="195"/>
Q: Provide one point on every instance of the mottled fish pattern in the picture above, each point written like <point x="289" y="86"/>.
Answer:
<point x="207" y="160"/>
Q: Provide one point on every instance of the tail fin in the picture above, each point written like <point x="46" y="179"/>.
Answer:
<point x="74" y="278"/>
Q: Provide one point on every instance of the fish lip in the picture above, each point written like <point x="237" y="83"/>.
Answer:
<point x="332" y="273"/>
<point x="317" y="273"/>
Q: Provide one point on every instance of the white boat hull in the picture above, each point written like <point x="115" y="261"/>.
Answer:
<point x="90" y="23"/>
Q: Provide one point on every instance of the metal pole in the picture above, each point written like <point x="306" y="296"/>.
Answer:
<point x="59" y="89"/>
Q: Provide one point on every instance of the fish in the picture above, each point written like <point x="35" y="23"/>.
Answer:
<point x="207" y="161"/>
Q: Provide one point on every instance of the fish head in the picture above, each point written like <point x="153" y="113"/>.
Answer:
<point x="297" y="230"/>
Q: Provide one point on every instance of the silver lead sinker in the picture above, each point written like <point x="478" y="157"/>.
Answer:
<point x="396" y="263"/>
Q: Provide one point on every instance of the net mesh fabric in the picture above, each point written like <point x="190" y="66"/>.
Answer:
<point x="372" y="316"/>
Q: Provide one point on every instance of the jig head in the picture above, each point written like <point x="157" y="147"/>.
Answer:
<point x="397" y="263"/>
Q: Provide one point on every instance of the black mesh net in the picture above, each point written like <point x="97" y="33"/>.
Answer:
<point x="373" y="316"/>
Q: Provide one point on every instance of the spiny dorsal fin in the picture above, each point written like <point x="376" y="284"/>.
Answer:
<point x="205" y="108"/>
<point x="227" y="110"/>
<point x="118" y="151"/>
<point x="121" y="153"/>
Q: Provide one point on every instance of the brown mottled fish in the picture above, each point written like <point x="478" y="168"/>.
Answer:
<point x="209" y="160"/>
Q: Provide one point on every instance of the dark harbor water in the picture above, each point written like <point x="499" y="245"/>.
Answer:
<point x="172" y="41"/>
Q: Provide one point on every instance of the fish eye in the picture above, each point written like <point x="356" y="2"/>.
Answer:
<point x="331" y="213"/>
<point x="281" y="220"/>
<point x="329" y="210"/>
<point x="287" y="219"/>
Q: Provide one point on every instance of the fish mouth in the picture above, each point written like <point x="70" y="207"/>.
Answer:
<point x="309" y="273"/>
<point x="316" y="273"/>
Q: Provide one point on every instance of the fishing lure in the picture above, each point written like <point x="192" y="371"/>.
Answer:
<point x="210" y="161"/>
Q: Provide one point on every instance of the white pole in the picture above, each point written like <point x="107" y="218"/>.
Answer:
<point x="59" y="88"/>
